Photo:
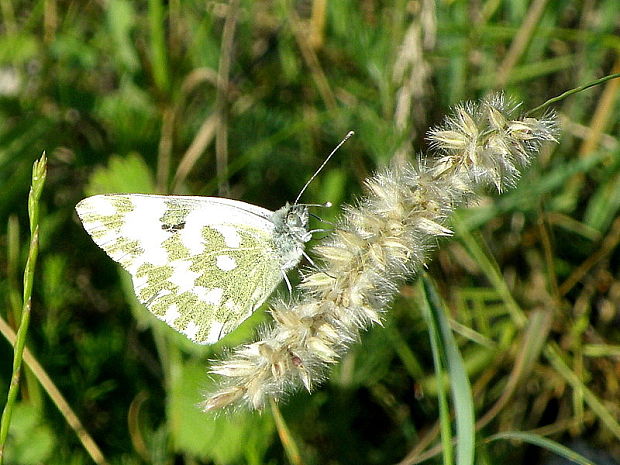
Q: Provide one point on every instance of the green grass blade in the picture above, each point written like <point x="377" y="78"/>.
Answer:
<point x="542" y="441"/>
<point x="439" y="357"/>
<point x="459" y="382"/>
<point x="159" y="54"/>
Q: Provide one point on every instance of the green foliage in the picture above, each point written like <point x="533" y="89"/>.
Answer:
<point x="122" y="174"/>
<point x="122" y="96"/>
<point x="32" y="439"/>
<point x="240" y="438"/>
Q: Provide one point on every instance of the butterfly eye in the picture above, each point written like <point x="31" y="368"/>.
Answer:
<point x="292" y="219"/>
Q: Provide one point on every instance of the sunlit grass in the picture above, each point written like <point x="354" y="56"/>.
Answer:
<point x="129" y="96"/>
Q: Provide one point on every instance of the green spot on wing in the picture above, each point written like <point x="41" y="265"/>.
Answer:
<point x="244" y="288"/>
<point x="100" y="225"/>
<point x="105" y="229"/>
<point x="123" y="250"/>
<point x="123" y="204"/>
<point x="157" y="278"/>
<point x="191" y="309"/>
<point x="175" y="214"/>
<point x="175" y="248"/>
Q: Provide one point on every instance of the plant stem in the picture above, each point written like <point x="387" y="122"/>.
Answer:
<point x="39" y="171"/>
<point x="572" y="91"/>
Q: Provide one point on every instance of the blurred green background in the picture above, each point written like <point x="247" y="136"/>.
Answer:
<point x="245" y="99"/>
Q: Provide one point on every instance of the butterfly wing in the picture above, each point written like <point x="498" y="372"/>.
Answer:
<point x="201" y="264"/>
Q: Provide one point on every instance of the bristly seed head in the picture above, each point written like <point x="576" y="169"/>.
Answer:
<point x="385" y="238"/>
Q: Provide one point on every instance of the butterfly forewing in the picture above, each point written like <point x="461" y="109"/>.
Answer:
<point x="201" y="264"/>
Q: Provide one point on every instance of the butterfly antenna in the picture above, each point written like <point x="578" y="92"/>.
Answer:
<point x="322" y="205"/>
<point x="346" y="138"/>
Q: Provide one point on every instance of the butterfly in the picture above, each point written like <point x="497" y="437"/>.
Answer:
<point x="200" y="264"/>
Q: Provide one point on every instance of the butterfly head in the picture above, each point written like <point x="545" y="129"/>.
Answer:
<point x="291" y="233"/>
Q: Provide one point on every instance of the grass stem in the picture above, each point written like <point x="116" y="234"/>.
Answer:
<point x="39" y="172"/>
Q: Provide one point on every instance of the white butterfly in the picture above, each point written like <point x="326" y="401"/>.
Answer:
<point x="201" y="264"/>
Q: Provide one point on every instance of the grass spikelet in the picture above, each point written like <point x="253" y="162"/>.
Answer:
<point x="379" y="242"/>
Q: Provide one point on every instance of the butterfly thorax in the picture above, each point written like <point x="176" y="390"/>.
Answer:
<point x="290" y="233"/>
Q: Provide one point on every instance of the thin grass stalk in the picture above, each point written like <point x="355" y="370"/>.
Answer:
<point x="222" y="97"/>
<point x="14" y="292"/>
<point x="39" y="172"/>
<point x="304" y="42"/>
<point x="568" y="93"/>
<point x="520" y="42"/>
<point x="541" y="441"/>
<point x="286" y="437"/>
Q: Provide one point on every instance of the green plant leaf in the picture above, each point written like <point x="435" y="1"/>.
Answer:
<point x="122" y="174"/>
<point x="240" y="438"/>
<point x="459" y="382"/>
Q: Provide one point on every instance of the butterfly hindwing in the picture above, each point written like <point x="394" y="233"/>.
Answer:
<point x="200" y="264"/>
